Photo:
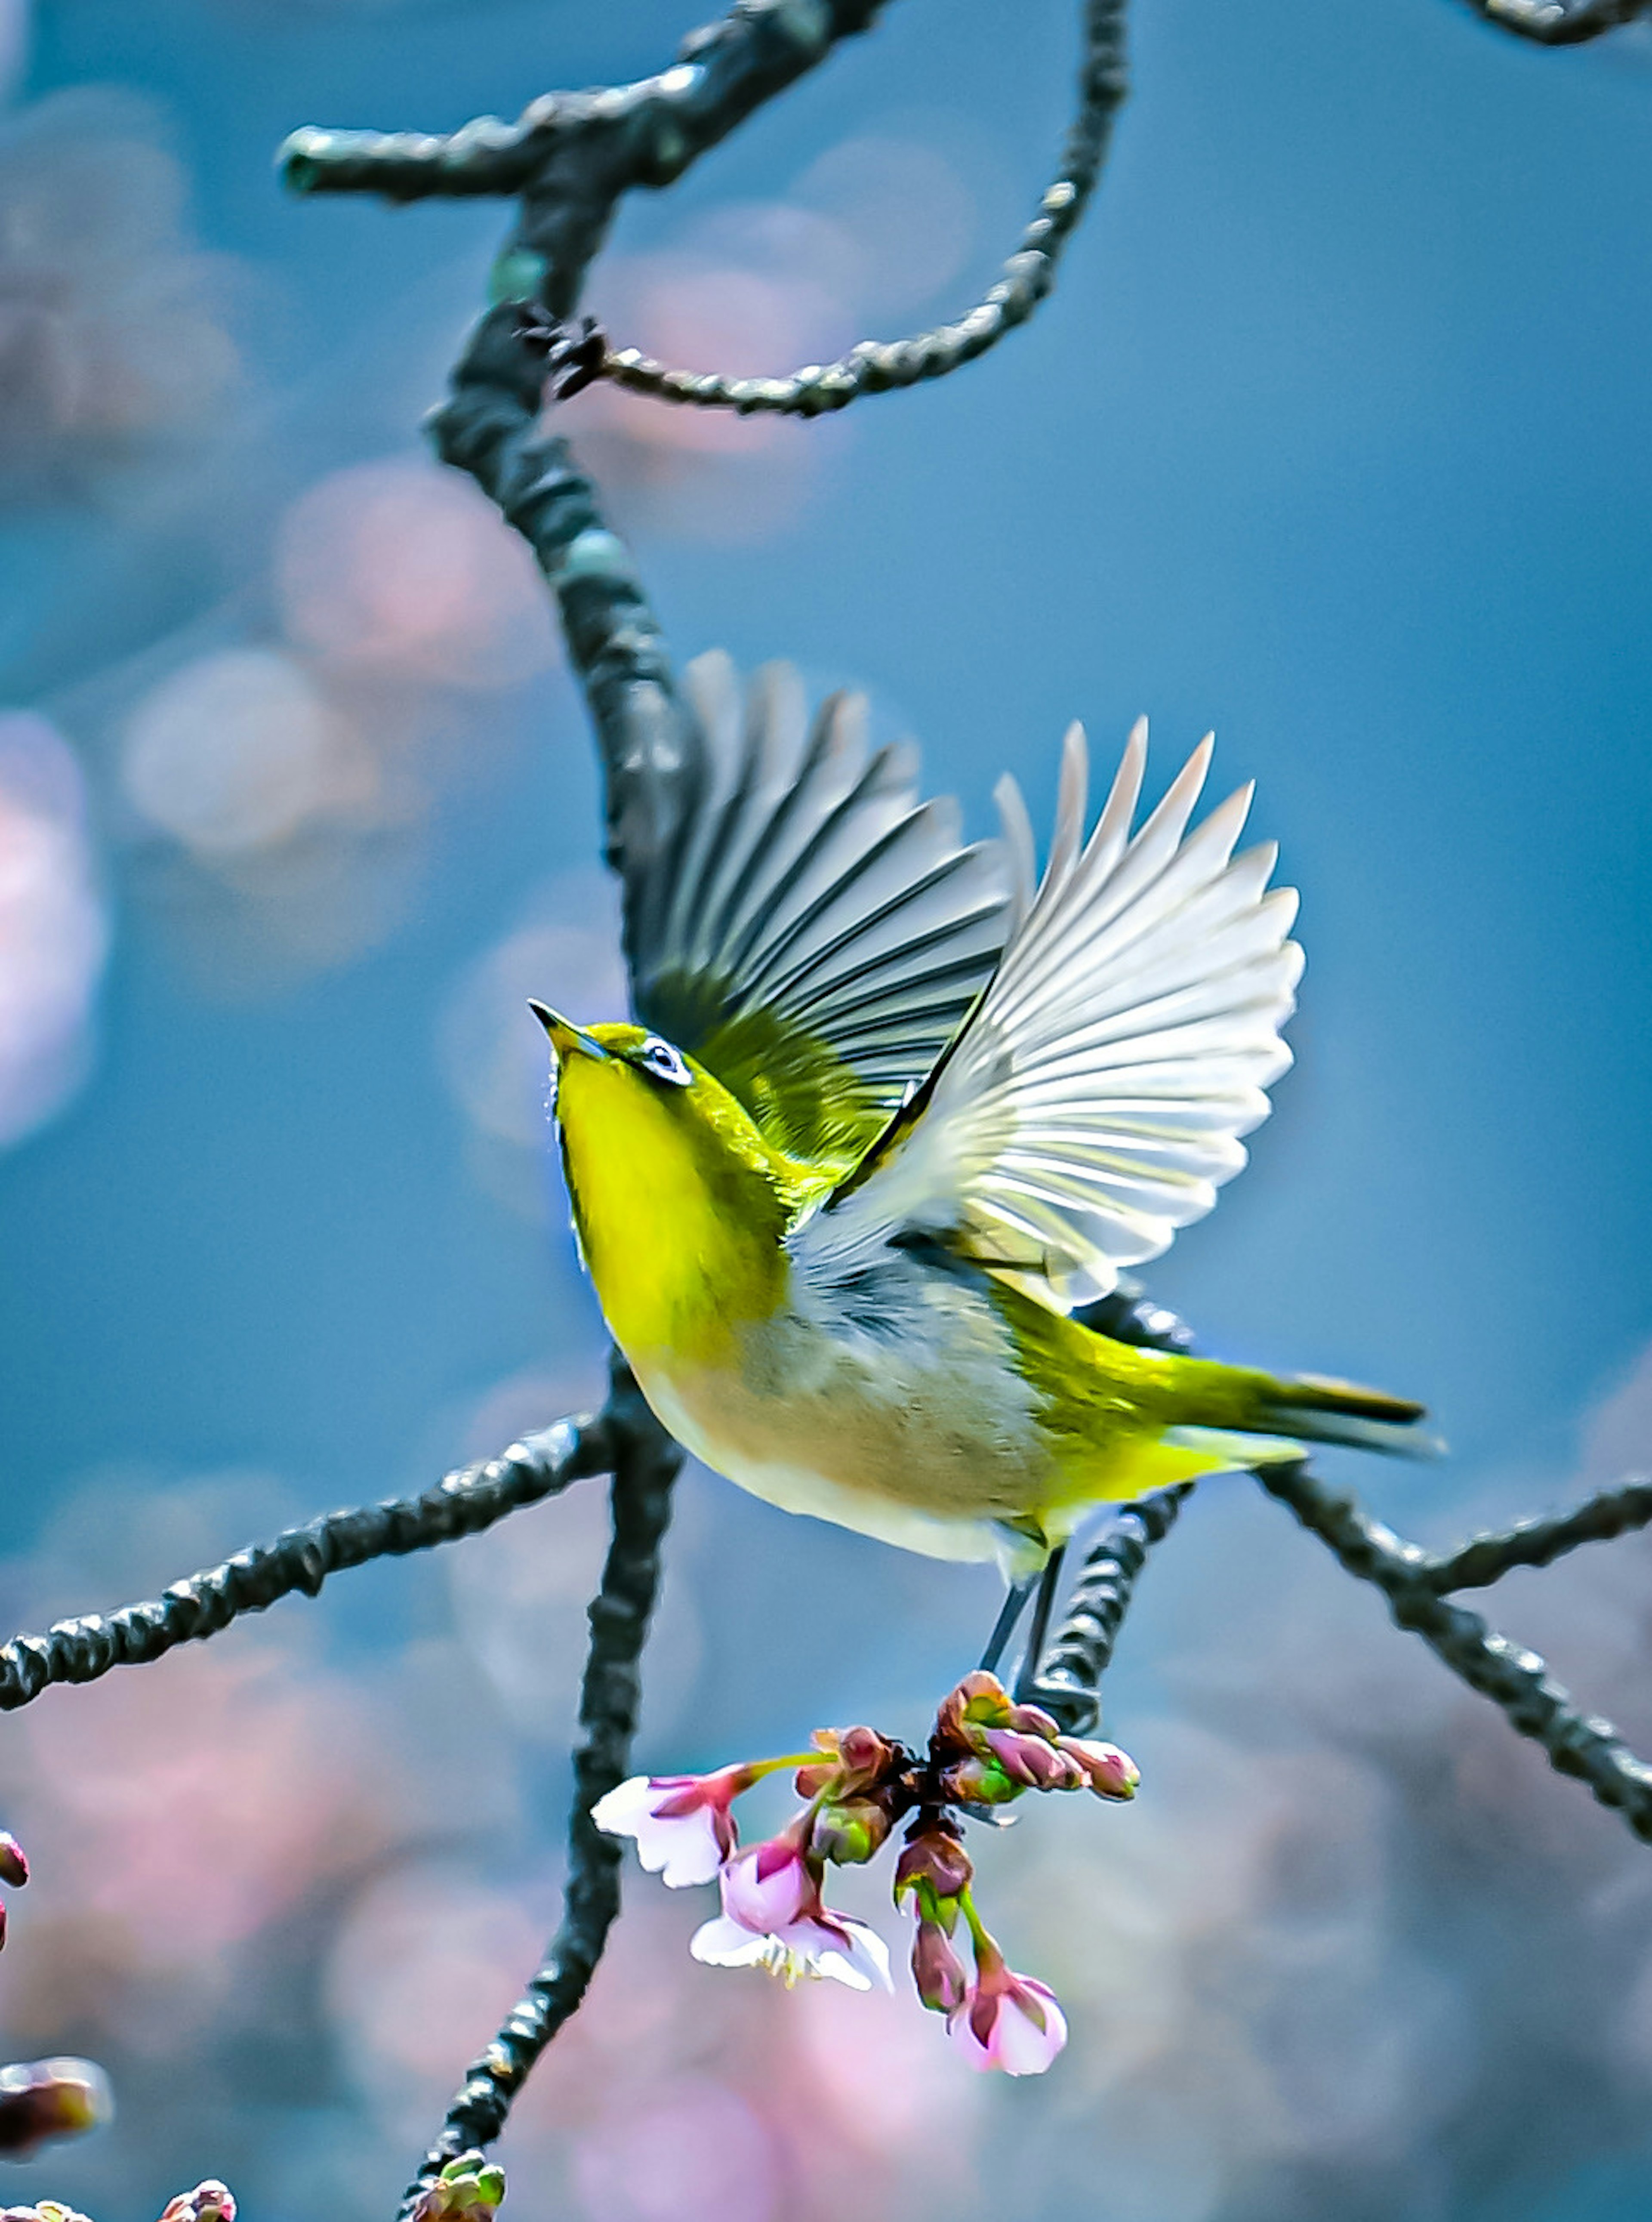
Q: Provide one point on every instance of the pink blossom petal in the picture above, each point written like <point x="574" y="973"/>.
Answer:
<point x="767" y="1886"/>
<point x="685" y="1848"/>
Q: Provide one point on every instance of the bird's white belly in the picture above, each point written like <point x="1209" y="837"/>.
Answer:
<point x="928" y="1442"/>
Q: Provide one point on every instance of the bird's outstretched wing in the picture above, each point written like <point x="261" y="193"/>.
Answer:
<point x="811" y="933"/>
<point x="1093" y="1101"/>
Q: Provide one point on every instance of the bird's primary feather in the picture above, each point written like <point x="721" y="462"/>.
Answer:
<point x="812" y="931"/>
<point x="1093" y="1101"/>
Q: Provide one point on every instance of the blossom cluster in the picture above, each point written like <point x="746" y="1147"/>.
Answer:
<point x="210" y="2201"/>
<point x="468" y="2189"/>
<point x="858" y="1787"/>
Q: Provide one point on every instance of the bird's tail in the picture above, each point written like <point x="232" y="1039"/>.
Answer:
<point x="1316" y="1411"/>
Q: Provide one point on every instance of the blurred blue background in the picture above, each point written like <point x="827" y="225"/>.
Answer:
<point x="1336" y="437"/>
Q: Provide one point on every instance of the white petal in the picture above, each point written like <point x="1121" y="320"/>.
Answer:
<point x="619" y="1813"/>
<point x="725" y="1944"/>
<point x="683" y="1852"/>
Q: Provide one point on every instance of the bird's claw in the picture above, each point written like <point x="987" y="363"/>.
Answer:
<point x="572" y="361"/>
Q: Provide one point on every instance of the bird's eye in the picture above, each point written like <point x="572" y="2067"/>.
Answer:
<point x="660" y="1058"/>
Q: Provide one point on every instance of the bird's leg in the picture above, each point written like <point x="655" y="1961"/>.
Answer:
<point x="1048" y="1581"/>
<point x="1004" y="1626"/>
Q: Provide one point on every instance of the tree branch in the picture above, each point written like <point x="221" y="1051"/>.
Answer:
<point x="884" y="366"/>
<point x="1560" y="22"/>
<point x="646" y="1465"/>
<point x="1599" y="1519"/>
<point x="1068" y="1682"/>
<point x="468" y="1501"/>
<point x="1516" y="1679"/>
<point x="643" y="134"/>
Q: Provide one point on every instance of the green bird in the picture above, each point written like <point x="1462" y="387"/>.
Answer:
<point x="892" y="1112"/>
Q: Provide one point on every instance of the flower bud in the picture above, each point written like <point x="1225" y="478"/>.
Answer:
<point x="851" y="1760"/>
<point x="978" y="1782"/>
<point x="210" y="2201"/>
<point x="1107" y="1770"/>
<point x="937" y="1970"/>
<point x="933" y="1856"/>
<point x="14" y="1867"/>
<point x="1032" y="1762"/>
<point x="849" y="1834"/>
<point x="469" y="2189"/>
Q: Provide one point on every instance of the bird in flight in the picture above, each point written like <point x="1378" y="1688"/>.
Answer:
<point x="892" y="1111"/>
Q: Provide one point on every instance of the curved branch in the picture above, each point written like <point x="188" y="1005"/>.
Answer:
<point x="1486" y="1558"/>
<point x="468" y="1501"/>
<point x="645" y="1468"/>
<point x="885" y="366"/>
<point x="1560" y="22"/>
<point x="1516" y="1679"/>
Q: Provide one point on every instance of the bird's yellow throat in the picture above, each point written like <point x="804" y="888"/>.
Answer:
<point x="679" y="1202"/>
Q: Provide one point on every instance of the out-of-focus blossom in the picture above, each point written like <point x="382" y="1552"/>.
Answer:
<point x="43" y="2099"/>
<point x="404" y="568"/>
<point x="905" y="211"/>
<point x="566" y="949"/>
<point x="468" y="2189"/>
<point x="758" y="289"/>
<point x="238" y="751"/>
<point x="110" y="318"/>
<point x="493" y="1050"/>
<point x="53" y="936"/>
<point x="682" y="1823"/>
<point x="686" y="2148"/>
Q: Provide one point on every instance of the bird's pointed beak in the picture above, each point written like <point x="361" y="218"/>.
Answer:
<point x="567" y="1039"/>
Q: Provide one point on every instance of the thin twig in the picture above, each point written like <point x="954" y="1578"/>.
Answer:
<point x="1560" y="22"/>
<point x="468" y="1501"/>
<point x="885" y="365"/>
<point x="1514" y="1679"/>
<point x="1600" y="1519"/>
<point x="645" y="1468"/>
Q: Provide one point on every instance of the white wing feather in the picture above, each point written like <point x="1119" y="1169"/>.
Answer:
<point x="1093" y="1101"/>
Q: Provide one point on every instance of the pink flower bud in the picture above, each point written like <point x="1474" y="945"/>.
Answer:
<point x="933" y="1855"/>
<point x="1030" y="1762"/>
<point x="1107" y="1770"/>
<point x="937" y="1970"/>
<point x="1008" y="2022"/>
<point x="766" y="1888"/>
<point x="14" y="1867"/>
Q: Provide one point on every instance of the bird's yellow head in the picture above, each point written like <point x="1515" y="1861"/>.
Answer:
<point x="679" y="1202"/>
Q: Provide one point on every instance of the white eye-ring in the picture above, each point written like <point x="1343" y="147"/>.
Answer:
<point x="660" y="1058"/>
